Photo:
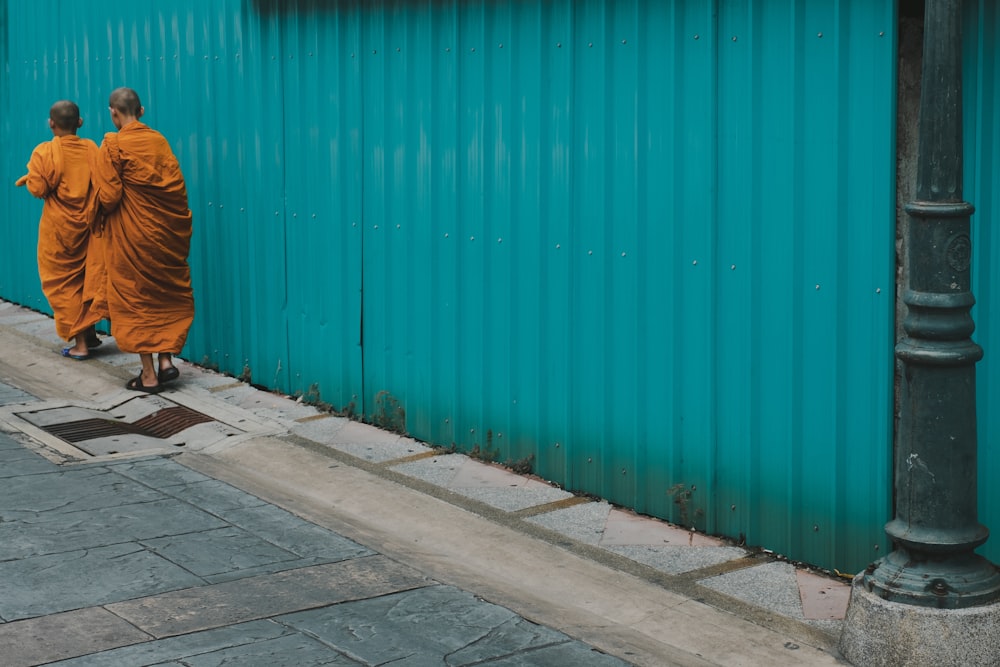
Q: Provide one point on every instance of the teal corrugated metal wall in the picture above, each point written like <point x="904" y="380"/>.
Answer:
<point x="982" y="188"/>
<point x="648" y="245"/>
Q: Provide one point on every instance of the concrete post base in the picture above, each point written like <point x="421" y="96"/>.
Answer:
<point x="879" y="633"/>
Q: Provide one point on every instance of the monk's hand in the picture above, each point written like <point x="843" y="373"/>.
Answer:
<point x="21" y="181"/>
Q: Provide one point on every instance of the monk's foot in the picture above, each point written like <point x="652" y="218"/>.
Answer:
<point x="75" y="353"/>
<point x="168" y="374"/>
<point x="136" y="384"/>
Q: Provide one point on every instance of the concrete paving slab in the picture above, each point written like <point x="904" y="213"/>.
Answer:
<point x="628" y="528"/>
<point x="109" y="354"/>
<point x="341" y="434"/>
<point x="581" y="522"/>
<point x="189" y="421"/>
<point x="770" y="586"/>
<point x="499" y="487"/>
<point x="570" y="653"/>
<point x="355" y="433"/>
<point x="206" y="607"/>
<point x="434" y="625"/>
<point x="437" y="470"/>
<point x="822" y="598"/>
<point x="246" y="397"/>
<point x="513" y="499"/>
<point x="85" y="578"/>
<point x="43" y="329"/>
<point x="45" y="639"/>
<point x="732" y="641"/>
<point x="58" y="414"/>
<point x="12" y="315"/>
<point x="677" y="560"/>
<point x="472" y="474"/>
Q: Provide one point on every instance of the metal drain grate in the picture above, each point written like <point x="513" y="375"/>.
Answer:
<point x="89" y="429"/>
<point x="161" y="424"/>
<point x="170" y="421"/>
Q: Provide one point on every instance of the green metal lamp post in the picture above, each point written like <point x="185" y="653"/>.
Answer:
<point x="935" y="530"/>
<point x="933" y="600"/>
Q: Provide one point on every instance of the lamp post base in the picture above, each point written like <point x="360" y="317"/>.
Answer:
<point x="880" y="633"/>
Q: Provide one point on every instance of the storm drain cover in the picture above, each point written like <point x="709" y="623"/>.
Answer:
<point x="161" y="424"/>
<point x="139" y="424"/>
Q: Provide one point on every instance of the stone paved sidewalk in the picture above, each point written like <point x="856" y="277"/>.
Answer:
<point x="218" y="524"/>
<point x="145" y="562"/>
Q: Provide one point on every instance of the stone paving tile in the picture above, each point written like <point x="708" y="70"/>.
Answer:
<point x="13" y="396"/>
<point x="20" y="461"/>
<point x="85" y="578"/>
<point x="168" y="651"/>
<point x="71" y="490"/>
<point x="294" y="534"/>
<point x="267" y="568"/>
<point x="41" y="640"/>
<point x="8" y="443"/>
<point x="202" y="608"/>
<point x="223" y="550"/>
<point x="437" y="625"/>
<point x="289" y="651"/>
<point x="38" y="534"/>
<point x="214" y="496"/>
<point x="158" y="472"/>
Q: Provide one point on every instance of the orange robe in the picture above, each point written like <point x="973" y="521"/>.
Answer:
<point x="148" y="237"/>
<point x="70" y="259"/>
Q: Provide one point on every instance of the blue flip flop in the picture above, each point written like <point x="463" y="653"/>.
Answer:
<point x="79" y="357"/>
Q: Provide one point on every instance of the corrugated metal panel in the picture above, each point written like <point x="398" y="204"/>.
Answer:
<point x="661" y="261"/>
<point x="982" y="176"/>
<point x="587" y="232"/>
<point x="804" y="275"/>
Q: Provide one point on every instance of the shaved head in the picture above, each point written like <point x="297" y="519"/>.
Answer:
<point x="126" y="102"/>
<point x="65" y="115"/>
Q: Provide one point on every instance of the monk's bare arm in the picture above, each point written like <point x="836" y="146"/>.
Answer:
<point x="41" y="173"/>
<point x="105" y="178"/>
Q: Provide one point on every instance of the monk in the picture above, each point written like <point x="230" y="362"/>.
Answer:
<point x="148" y="236"/>
<point x="70" y="259"/>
